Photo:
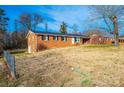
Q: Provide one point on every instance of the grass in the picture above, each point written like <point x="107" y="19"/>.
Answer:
<point x="99" y="46"/>
<point x="19" y="52"/>
<point x="65" y="80"/>
<point x="85" y="77"/>
<point x="77" y="66"/>
<point x="7" y="83"/>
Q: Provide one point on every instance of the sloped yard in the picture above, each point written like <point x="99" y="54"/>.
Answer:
<point x="72" y="66"/>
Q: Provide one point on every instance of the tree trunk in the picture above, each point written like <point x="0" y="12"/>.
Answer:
<point x="116" y="35"/>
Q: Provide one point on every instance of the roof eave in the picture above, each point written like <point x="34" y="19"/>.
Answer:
<point x="29" y="33"/>
<point x="61" y="35"/>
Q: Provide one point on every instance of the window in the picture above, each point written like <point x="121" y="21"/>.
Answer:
<point x="121" y="41"/>
<point x="107" y="39"/>
<point x="77" y="39"/>
<point x="63" y="38"/>
<point x="45" y="37"/>
<point x="55" y="38"/>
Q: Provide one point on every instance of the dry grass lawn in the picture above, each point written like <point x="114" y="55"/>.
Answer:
<point x="72" y="66"/>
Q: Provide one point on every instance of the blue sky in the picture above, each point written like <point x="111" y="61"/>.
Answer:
<point x="54" y="16"/>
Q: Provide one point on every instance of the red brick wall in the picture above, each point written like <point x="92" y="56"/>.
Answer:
<point x="100" y="40"/>
<point x="35" y="42"/>
<point x="52" y="43"/>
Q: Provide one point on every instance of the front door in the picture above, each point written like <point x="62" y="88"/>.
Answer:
<point x="72" y="40"/>
<point x="85" y="40"/>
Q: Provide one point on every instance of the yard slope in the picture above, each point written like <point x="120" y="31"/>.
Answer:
<point x="72" y="66"/>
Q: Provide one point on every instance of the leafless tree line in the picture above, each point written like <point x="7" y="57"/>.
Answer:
<point x="17" y="38"/>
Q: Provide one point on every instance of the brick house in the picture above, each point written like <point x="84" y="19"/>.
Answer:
<point x="43" y="40"/>
<point x="98" y="39"/>
<point x="121" y="39"/>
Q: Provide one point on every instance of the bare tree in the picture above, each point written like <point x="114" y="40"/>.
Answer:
<point x="30" y="21"/>
<point x="22" y="25"/>
<point x="74" y="28"/>
<point x="36" y="19"/>
<point x="95" y="31"/>
<point x="112" y="16"/>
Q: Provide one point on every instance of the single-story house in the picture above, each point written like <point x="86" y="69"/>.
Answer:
<point x="43" y="40"/>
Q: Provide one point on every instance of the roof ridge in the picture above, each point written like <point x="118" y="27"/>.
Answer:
<point x="55" y="33"/>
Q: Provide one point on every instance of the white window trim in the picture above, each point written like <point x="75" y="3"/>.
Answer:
<point x="56" y="38"/>
<point x="64" y="39"/>
<point x="46" y="38"/>
<point x="77" y="39"/>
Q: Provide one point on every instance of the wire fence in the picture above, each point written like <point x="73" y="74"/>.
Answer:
<point x="10" y="60"/>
